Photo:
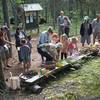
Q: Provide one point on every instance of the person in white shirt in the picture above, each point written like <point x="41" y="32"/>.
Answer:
<point x="96" y="28"/>
<point x="60" y="22"/>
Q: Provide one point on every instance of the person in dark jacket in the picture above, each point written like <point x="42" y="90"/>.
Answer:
<point x="86" y="31"/>
<point x="18" y="36"/>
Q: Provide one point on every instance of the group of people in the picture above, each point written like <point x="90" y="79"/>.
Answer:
<point x="90" y="27"/>
<point x="61" y="41"/>
<point x="51" y="46"/>
<point x="87" y="28"/>
<point x="24" y="46"/>
<point x="63" y="24"/>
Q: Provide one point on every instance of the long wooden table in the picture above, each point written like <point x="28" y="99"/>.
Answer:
<point x="39" y="78"/>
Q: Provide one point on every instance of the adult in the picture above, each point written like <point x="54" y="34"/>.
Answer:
<point x="45" y="38"/>
<point x="7" y="46"/>
<point x="19" y="35"/>
<point x="67" y="24"/>
<point x="4" y="51"/>
<point x="96" y="27"/>
<point x="86" y="31"/>
<point x="60" y="22"/>
<point x="5" y="30"/>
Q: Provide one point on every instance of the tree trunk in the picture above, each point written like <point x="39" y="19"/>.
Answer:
<point x="5" y="12"/>
<point x="81" y="9"/>
<point x="46" y="10"/>
<point x="6" y="19"/>
<point x="2" y="81"/>
<point x="14" y="10"/>
<point x="71" y="2"/>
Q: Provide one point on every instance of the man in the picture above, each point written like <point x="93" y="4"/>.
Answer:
<point x="60" y="22"/>
<point x="86" y="31"/>
<point x="96" y="27"/>
<point x="43" y="40"/>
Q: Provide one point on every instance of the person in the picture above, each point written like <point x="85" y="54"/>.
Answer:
<point x="25" y="52"/>
<point x="23" y="34"/>
<point x="18" y="36"/>
<point x="4" y="50"/>
<point x="96" y="28"/>
<point x="7" y="46"/>
<point x="5" y="29"/>
<point x="86" y="31"/>
<point x="45" y="37"/>
<point x="29" y="43"/>
<point x="72" y="47"/>
<point x="60" y="22"/>
<point x="67" y="24"/>
<point x="64" y="49"/>
<point x="56" y="40"/>
<point x="97" y="44"/>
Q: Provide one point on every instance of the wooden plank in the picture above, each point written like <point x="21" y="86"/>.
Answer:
<point x="37" y="78"/>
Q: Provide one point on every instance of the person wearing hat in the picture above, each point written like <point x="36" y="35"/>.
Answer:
<point x="60" y="22"/>
<point x="96" y="28"/>
<point x="45" y="38"/>
<point x="86" y="31"/>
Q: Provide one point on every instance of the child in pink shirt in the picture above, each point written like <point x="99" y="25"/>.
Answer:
<point x="72" y="47"/>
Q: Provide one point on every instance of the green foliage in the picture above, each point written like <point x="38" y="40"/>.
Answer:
<point x="19" y="1"/>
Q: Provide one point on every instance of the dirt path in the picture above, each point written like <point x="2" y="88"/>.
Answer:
<point x="16" y="68"/>
<point x="36" y="59"/>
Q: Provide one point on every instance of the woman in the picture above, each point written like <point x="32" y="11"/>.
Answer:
<point x="4" y="50"/>
<point x="85" y="31"/>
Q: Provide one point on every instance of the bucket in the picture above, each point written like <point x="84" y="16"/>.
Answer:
<point x="14" y="82"/>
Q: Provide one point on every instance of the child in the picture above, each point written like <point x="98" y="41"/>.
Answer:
<point x="65" y="42"/>
<point x="30" y="45"/>
<point x="72" y="46"/>
<point x="25" y="54"/>
<point x="55" y="40"/>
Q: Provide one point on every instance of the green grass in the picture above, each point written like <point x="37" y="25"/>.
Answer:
<point x="82" y="82"/>
<point x="74" y="30"/>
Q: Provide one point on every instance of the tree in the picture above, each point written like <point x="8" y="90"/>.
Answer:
<point x="2" y="81"/>
<point x="5" y="12"/>
<point x="6" y="19"/>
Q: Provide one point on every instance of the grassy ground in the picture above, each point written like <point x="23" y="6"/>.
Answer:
<point x="81" y="84"/>
<point x="84" y="82"/>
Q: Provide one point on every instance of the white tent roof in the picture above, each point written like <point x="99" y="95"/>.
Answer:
<point x="32" y="7"/>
